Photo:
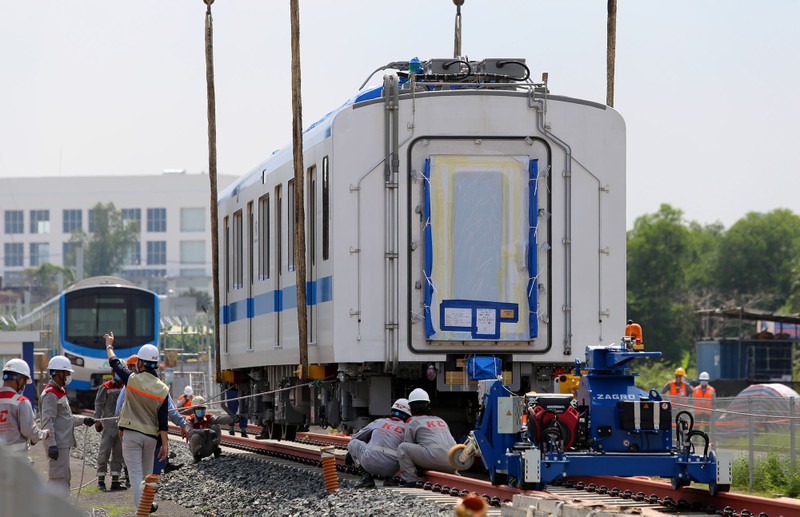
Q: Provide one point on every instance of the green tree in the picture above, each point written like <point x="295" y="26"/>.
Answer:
<point x="46" y="281"/>
<point x="659" y="250"/>
<point x="756" y="258"/>
<point x="110" y="242"/>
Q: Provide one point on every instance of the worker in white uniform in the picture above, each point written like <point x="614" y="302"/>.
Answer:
<point x="427" y="440"/>
<point x="58" y="419"/>
<point x="374" y="447"/>
<point x="17" y="421"/>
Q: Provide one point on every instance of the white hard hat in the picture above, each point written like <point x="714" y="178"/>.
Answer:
<point x="419" y="395"/>
<point x="59" y="362"/>
<point x="18" y="366"/>
<point x="401" y="405"/>
<point x="148" y="354"/>
<point x="188" y="390"/>
<point x="198" y="401"/>
<point x="704" y="376"/>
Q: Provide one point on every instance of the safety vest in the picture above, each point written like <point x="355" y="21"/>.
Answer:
<point x="703" y="398"/>
<point x="202" y="423"/>
<point x="143" y="396"/>
<point x="675" y="391"/>
<point x="185" y="401"/>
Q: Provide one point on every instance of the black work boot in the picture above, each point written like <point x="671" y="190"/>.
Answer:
<point x="366" y="481"/>
<point x="115" y="484"/>
<point x="231" y="431"/>
<point x="244" y="433"/>
<point x="101" y="483"/>
<point x="217" y="452"/>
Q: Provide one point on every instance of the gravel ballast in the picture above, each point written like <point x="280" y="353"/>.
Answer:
<point x="242" y="484"/>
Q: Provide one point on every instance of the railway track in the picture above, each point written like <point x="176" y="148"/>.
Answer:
<point x="621" y="494"/>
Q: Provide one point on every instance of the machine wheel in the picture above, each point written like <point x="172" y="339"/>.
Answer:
<point x="714" y="488"/>
<point x="678" y="483"/>
<point x="453" y="455"/>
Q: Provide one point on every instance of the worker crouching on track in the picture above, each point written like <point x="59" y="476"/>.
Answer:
<point x="105" y="404"/>
<point x="374" y="448"/>
<point x="205" y="433"/>
<point x="427" y="440"/>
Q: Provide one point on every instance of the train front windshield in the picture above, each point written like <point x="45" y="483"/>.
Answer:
<point x="94" y="312"/>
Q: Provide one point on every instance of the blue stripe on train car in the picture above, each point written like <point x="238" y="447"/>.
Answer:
<point x="319" y="291"/>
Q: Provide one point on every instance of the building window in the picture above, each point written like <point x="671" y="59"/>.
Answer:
<point x="193" y="272"/>
<point x="40" y="253"/>
<point x="263" y="237"/>
<point x="13" y="252"/>
<point x="156" y="253"/>
<point x="193" y="219"/>
<point x="326" y="206"/>
<point x="237" y="263"/>
<point x="70" y="254"/>
<point x="291" y="219"/>
<point x="132" y="216"/>
<point x="73" y="221"/>
<point x="156" y="219"/>
<point x="14" y="221"/>
<point x="134" y="255"/>
<point x="40" y="221"/>
<point x="193" y="252"/>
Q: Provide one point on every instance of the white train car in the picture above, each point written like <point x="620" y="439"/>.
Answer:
<point x="458" y="211"/>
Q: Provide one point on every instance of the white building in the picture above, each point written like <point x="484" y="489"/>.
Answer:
<point x="39" y="215"/>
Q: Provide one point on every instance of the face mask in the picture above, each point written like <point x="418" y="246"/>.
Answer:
<point x="200" y="413"/>
<point x="704" y="383"/>
<point x="67" y="380"/>
<point x="21" y="385"/>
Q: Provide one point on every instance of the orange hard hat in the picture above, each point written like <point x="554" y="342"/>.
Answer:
<point x="131" y="361"/>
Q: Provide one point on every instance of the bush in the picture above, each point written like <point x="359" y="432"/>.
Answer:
<point x="771" y="475"/>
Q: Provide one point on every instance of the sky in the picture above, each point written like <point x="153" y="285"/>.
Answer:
<point x="710" y="90"/>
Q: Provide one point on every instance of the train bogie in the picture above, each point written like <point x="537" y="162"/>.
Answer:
<point x="443" y="221"/>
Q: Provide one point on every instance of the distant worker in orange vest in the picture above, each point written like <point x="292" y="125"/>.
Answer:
<point x="634" y="331"/>
<point x="678" y="387"/>
<point x="185" y="400"/>
<point x="704" y="395"/>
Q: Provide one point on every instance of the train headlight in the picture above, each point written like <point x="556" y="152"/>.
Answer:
<point x="74" y="359"/>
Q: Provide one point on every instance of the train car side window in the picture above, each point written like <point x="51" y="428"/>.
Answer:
<point x="238" y="280"/>
<point x="311" y="245"/>
<point x="227" y="246"/>
<point x="250" y="242"/>
<point x="291" y="220"/>
<point x="325" y="210"/>
<point x="278" y="227"/>
<point x="263" y="237"/>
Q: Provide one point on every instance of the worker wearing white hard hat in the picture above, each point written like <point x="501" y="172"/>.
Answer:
<point x="427" y="441"/>
<point x="205" y="433"/>
<point x="143" y="419"/>
<point x="185" y="400"/>
<point x="374" y="447"/>
<point x="704" y="395"/>
<point x="18" y="426"/>
<point x="57" y="418"/>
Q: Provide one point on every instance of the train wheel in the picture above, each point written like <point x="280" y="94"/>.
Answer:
<point x="453" y="457"/>
<point x="289" y="432"/>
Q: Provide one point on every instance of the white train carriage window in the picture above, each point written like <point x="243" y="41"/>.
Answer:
<point x="263" y="237"/>
<point x="238" y="259"/>
<point x="325" y="209"/>
<point x="480" y="223"/>
<point x="291" y="219"/>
